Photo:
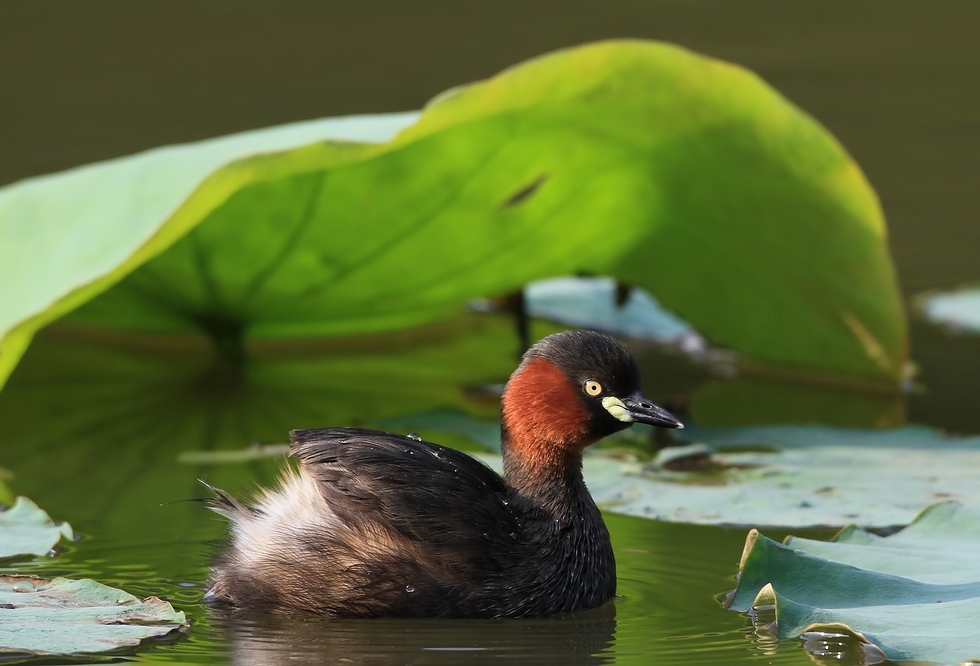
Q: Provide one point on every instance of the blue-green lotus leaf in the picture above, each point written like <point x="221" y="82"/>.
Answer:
<point x="914" y="595"/>
<point x="25" y="529"/>
<point x="62" y="616"/>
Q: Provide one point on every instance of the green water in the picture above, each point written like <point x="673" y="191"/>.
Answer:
<point x="92" y="428"/>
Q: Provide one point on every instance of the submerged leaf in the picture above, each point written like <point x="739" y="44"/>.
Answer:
<point x="25" y="529"/>
<point x="914" y="595"/>
<point x="68" y="617"/>
<point x="676" y="173"/>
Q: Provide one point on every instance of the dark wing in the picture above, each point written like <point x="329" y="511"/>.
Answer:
<point x="436" y="496"/>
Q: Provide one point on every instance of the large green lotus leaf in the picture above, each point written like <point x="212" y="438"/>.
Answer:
<point x="25" y="529"/>
<point x="745" y="401"/>
<point x="69" y="617"/>
<point x="914" y="595"/>
<point x="6" y="495"/>
<point x="674" y="172"/>
<point x="68" y="236"/>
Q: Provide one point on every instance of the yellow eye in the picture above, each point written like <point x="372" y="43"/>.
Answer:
<point x="593" y="387"/>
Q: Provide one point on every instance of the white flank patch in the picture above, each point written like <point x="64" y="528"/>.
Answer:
<point x="297" y="506"/>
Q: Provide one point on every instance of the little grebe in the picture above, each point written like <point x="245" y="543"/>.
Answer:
<point x="376" y="524"/>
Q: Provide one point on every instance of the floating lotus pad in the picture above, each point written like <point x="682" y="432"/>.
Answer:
<point x="777" y="475"/>
<point x="25" y="529"/>
<point x="69" y="617"/>
<point x="914" y="595"/>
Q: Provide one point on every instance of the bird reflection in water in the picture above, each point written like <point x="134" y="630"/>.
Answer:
<point x="584" y="637"/>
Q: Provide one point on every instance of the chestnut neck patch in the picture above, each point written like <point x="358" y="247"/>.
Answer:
<point x="544" y="418"/>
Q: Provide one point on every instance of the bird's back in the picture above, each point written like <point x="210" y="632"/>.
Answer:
<point x="374" y="524"/>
